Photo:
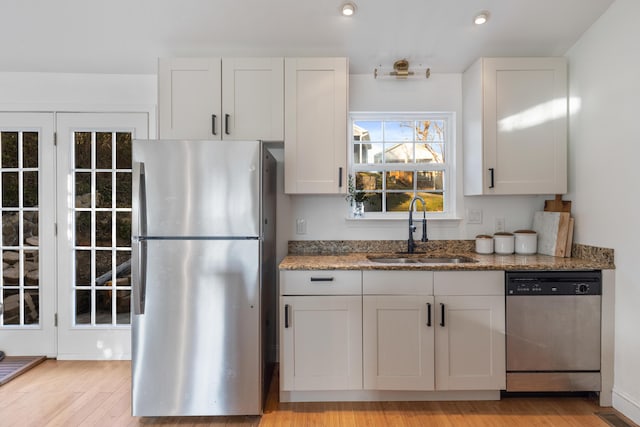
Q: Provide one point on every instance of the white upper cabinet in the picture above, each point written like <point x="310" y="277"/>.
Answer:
<point x="228" y="98"/>
<point x="515" y="126"/>
<point x="316" y="102"/>
<point x="189" y="94"/>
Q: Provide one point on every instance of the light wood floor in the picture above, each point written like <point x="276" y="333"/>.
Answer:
<point x="65" y="393"/>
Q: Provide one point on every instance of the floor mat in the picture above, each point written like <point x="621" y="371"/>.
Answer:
<point x="12" y="366"/>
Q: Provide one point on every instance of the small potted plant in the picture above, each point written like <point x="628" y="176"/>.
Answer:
<point x="355" y="198"/>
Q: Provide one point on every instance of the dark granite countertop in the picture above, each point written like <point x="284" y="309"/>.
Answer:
<point x="335" y="255"/>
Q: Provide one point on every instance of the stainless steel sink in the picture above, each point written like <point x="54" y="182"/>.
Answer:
<point x="421" y="260"/>
<point x="394" y="260"/>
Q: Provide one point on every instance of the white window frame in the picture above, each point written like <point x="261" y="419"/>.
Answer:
<point x="448" y="168"/>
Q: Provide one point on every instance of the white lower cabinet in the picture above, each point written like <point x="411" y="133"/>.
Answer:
<point x="406" y="331"/>
<point x="320" y="335"/>
<point x="456" y="335"/>
<point x="398" y="342"/>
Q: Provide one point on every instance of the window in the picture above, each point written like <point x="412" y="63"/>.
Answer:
<point x="397" y="156"/>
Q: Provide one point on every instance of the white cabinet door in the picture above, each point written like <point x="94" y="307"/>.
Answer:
<point x="470" y="343"/>
<point x="253" y="98"/>
<point x="515" y="126"/>
<point x="316" y="93"/>
<point x="189" y="98"/>
<point x="321" y="343"/>
<point x="398" y="351"/>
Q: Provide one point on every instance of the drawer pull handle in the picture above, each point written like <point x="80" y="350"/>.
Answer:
<point x="213" y="124"/>
<point x="442" y="310"/>
<point x="491" y="171"/>
<point x="286" y="315"/>
<point x="429" y="314"/>
<point x="322" y="279"/>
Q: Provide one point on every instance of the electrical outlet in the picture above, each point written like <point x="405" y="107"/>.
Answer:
<point x="301" y="226"/>
<point x="474" y="216"/>
<point x="499" y="224"/>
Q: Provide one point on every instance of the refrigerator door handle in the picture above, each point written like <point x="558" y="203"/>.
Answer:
<point x="139" y="272"/>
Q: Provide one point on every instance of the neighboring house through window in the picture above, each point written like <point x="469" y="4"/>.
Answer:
<point x="397" y="156"/>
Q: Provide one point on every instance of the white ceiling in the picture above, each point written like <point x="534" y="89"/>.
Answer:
<point x="127" y="36"/>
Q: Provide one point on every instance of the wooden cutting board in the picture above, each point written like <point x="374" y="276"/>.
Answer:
<point x="552" y="229"/>
<point x="557" y="205"/>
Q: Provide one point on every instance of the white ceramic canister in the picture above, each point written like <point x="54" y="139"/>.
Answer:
<point x="484" y="244"/>
<point x="503" y="243"/>
<point x="526" y="242"/>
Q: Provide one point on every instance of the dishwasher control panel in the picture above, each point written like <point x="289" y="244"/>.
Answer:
<point x="554" y="283"/>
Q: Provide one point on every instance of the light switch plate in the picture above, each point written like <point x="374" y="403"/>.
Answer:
<point x="474" y="216"/>
<point x="301" y="226"/>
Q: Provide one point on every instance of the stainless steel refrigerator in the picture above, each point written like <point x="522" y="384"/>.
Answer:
<point x="203" y="277"/>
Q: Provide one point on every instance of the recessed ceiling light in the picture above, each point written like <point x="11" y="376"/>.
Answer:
<point x="481" y="18"/>
<point x="348" y="9"/>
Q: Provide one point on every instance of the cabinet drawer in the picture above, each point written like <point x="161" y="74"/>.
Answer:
<point x="397" y="282"/>
<point x="321" y="282"/>
<point x="468" y="283"/>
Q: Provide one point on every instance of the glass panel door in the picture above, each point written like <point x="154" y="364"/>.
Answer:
<point x="94" y="158"/>
<point x="27" y="285"/>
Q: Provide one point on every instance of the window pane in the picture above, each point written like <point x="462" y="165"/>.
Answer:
<point x="123" y="229"/>
<point x="123" y="307"/>
<point x="83" y="228"/>
<point x="430" y="153"/>
<point x="83" y="190"/>
<point x="373" y="202"/>
<point x="369" y="181"/>
<point x="30" y="189"/>
<point x="430" y="130"/>
<point x="31" y="306"/>
<point x="10" y="189"/>
<point x="83" y="307"/>
<point x="83" y="268"/>
<point x="434" y="201"/>
<point x="399" y="131"/>
<point x="399" y="180"/>
<point x="103" y="150"/>
<point x="10" y="229"/>
<point x="103" y="268"/>
<point x="399" y="202"/>
<point x="30" y="149"/>
<point x="103" y="189"/>
<point x="82" y="149"/>
<point x="123" y="150"/>
<point x="103" y="307"/>
<point x="123" y="190"/>
<point x="429" y="180"/>
<point x="367" y="153"/>
<point x="9" y="149"/>
<point x="398" y="153"/>
<point x="367" y="130"/>
<point x="103" y="229"/>
<point x="11" y="304"/>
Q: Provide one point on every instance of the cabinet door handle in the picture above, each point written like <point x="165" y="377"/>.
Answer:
<point x="340" y="177"/>
<point x="442" y="310"/>
<point x="322" y="279"/>
<point x="491" y="177"/>
<point x="429" y="314"/>
<point x="213" y="124"/>
<point x="286" y="315"/>
<point x="226" y="125"/>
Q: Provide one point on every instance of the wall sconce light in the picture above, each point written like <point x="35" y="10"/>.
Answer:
<point x="481" y="18"/>
<point x="401" y="71"/>
<point x="348" y="9"/>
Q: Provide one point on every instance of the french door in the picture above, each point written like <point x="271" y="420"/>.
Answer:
<point x="94" y="233"/>
<point x="28" y="272"/>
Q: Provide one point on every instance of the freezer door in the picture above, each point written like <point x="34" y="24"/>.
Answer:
<point x="197" y="188"/>
<point x="196" y="348"/>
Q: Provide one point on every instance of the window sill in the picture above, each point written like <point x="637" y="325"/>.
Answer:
<point x="417" y="216"/>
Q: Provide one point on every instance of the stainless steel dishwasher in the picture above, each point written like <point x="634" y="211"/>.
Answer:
<point x="553" y="330"/>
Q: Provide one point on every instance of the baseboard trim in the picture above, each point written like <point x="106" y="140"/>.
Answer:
<point x="385" y="395"/>
<point x="625" y="404"/>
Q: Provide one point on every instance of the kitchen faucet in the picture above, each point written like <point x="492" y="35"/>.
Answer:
<point x="411" y="244"/>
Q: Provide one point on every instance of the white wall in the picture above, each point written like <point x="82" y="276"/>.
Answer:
<point x="325" y="215"/>
<point x="604" y="146"/>
<point x="79" y="92"/>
